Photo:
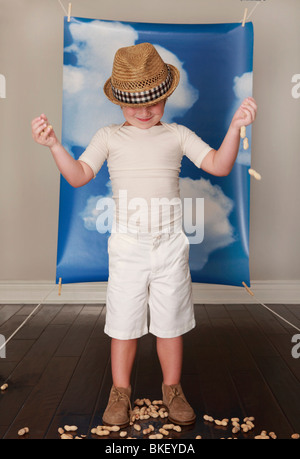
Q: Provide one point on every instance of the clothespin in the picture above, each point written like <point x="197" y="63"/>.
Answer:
<point x="245" y="17"/>
<point x="59" y="286"/>
<point x="248" y="289"/>
<point x="69" y="11"/>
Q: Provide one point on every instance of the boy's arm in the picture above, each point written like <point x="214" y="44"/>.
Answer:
<point x="77" y="173"/>
<point x="220" y="162"/>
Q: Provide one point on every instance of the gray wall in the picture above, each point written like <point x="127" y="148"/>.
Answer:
<point x="31" y="45"/>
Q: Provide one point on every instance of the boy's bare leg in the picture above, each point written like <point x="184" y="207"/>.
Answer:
<point x="122" y="359"/>
<point x="117" y="411"/>
<point x="169" y="351"/>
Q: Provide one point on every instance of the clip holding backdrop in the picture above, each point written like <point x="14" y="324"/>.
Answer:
<point x="216" y="66"/>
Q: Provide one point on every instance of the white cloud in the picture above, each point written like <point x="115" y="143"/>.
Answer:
<point x="242" y="86"/>
<point x="99" y="212"/>
<point x="218" y="231"/>
<point x="185" y="94"/>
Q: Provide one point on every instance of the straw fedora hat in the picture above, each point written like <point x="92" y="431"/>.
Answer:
<point x="140" y="77"/>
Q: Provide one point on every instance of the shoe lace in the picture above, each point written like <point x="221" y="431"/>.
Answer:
<point x="118" y="395"/>
<point x="175" y="393"/>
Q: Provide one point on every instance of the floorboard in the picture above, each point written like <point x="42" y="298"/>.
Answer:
<point x="237" y="363"/>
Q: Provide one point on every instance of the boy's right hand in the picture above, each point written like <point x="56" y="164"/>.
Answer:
<point x="42" y="132"/>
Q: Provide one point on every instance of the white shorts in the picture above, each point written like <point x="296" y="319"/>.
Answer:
<point x="149" y="270"/>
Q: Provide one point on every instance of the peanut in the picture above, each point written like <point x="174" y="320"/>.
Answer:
<point x="70" y="428"/>
<point x="245" y="143"/>
<point x="295" y="436"/>
<point x="168" y="426"/>
<point x="163" y="413"/>
<point x="236" y="429"/>
<point x="198" y="437"/>
<point x="139" y="402"/>
<point x="123" y="433"/>
<point x="65" y="436"/>
<point x="243" y="132"/>
<point x="49" y="127"/>
<point x="156" y="436"/>
<point x="100" y="431"/>
<point x="254" y="174"/>
<point x="208" y="418"/>
<point x="164" y="431"/>
<point x="113" y="428"/>
<point x="218" y="422"/>
<point x="245" y="428"/>
<point x="4" y="386"/>
<point x="23" y="431"/>
<point x="177" y="428"/>
<point x="137" y="427"/>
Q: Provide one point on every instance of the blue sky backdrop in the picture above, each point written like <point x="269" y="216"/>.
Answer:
<point x="215" y="62"/>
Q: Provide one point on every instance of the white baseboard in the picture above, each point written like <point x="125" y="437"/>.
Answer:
<point x="29" y="292"/>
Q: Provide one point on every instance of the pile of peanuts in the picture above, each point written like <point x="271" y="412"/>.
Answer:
<point x="145" y="409"/>
<point x="236" y="425"/>
<point x="66" y="433"/>
<point x="245" y="426"/>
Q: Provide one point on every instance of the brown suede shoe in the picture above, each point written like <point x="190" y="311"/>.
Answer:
<point x="180" y="411"/>
<point x="118" y="409"/>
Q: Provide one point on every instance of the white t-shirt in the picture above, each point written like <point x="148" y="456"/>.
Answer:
<point x="144" y="167"/>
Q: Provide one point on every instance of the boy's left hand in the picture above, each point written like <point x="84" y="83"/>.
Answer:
<point x="245" y="114"/>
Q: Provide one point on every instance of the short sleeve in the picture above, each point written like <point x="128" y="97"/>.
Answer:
<point x="192" y="145"/>
<point x="97" y="150"/>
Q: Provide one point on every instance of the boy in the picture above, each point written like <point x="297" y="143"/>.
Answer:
<point x="148" y="258"/>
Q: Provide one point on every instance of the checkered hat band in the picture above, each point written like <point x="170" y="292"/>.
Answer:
<point x="142" y="97"/>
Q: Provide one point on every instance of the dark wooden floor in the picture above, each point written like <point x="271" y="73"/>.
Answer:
<point x="237" y="363"/>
